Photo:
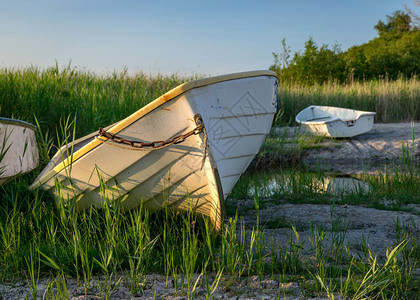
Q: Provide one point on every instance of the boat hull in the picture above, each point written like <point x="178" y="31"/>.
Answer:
<point x="198" y="173"/>
<point x="18" y="149"/>
<point x="335" y="122"/>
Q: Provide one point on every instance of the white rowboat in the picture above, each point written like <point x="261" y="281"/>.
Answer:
<point x="18" y="149"/>
<point x="205" y="134"/>
<point x="335" y="121"/>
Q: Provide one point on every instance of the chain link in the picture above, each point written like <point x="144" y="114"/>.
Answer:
<point x="156" y="144"/>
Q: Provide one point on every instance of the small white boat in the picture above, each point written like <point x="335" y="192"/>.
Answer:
<point x="18" y="149"/>
<point x="335" y="121"/>
<point x="184" y="150"/>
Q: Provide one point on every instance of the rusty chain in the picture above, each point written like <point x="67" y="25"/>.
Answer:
<point x="157" y="144"/>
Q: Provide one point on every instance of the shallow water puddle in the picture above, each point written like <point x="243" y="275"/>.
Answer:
<point x="283" y="184"/>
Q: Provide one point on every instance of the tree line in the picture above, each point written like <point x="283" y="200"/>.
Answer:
<point x="394" y="53"/>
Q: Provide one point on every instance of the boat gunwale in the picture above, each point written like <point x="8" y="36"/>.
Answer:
<point x="119" y="126"/>
<point x="9" y="121"/>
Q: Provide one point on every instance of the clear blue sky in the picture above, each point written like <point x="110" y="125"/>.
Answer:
<point x="177" y="36"/>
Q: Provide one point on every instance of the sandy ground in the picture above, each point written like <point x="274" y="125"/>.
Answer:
<point x="383" y="146"/>
<point x="351" y="223"/>
<point x="157" y="287"/>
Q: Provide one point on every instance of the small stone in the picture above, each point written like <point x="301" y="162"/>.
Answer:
<point x="289" y="286"/>
<point x="415" y="273"/>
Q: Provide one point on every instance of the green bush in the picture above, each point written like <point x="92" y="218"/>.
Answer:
<point x="395" y="53"/>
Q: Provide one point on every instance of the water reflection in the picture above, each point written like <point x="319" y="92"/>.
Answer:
<point x="344" y="185"/>
<point x="283" y="184"/>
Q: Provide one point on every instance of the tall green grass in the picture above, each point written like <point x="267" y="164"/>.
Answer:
<point x="392" y="100"/>
<point x="99" y="100"/>
<point x="96" y="101"/>
<point x="105" y="248"/>
<point x="39" y="240"/>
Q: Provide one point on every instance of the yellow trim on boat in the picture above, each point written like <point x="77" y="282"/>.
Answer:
<point x="180" y="89"/>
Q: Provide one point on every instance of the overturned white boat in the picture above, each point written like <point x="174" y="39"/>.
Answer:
<point x="335" y="121"/>
<point x="18" y="149"/>
<point x="184" y="150"/>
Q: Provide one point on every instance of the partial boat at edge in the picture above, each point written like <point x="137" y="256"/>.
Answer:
<point x="18" y="149"/>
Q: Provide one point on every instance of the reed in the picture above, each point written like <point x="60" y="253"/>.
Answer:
<point x="392" y="100"/>
<point x="53" y="94"/>
<point x="39" y="240"/>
